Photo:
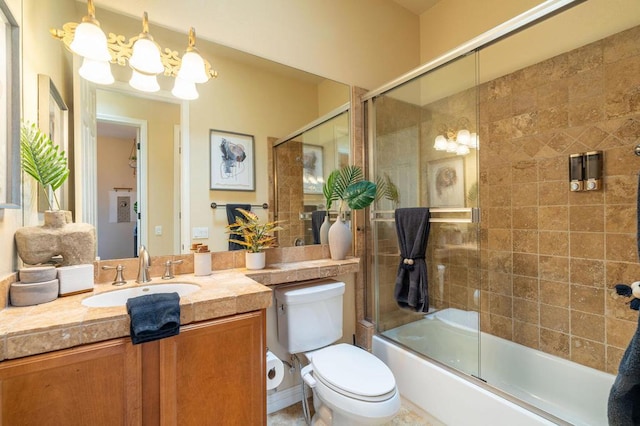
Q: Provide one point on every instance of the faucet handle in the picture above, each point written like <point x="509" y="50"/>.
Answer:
<point x="119" y="278"/>
<point x="168" y="270"/>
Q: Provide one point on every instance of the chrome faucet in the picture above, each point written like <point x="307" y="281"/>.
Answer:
<point x="143" y="265"/>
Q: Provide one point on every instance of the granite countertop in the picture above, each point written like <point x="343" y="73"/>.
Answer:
<point x="66" y="322"/>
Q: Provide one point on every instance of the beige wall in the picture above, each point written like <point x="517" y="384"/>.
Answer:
<point x="345" y="40"/>
<point x="47" y="58"/>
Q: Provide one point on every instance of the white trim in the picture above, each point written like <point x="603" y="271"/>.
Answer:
<point x="177" y="167"/>
<point x="278" y="400"/>
<point x="185" y="206"/>
<point x="142" y="194"/>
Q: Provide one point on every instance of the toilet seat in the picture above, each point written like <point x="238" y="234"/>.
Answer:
<point x="352" y="372"/>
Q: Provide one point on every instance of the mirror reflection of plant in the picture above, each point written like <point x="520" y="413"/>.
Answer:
<point x="388" y="190"/>
<point x="257" y="236"/>
<point x="41" y="159"/>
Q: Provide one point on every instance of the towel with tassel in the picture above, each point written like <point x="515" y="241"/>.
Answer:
<point x="624" y="398"/>
<point x="154" y="316"/>
<point x="412" y="227"/>
<point x="232" y="214"/>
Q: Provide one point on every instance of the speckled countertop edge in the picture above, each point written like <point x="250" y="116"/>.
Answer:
<point x="65" y="322"/>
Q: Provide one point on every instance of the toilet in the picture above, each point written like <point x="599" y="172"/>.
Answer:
<point x="350" y="385"/>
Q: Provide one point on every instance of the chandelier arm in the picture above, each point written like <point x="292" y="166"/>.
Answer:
<point x="121" y="48"/>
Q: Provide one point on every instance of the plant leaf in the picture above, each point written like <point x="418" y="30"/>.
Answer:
<point x="348" y="175"/>
<point x="360" y="194"/>
<point x="41" y="159"/>
<point x="328" y="188"/>
<point x="391" y="190"/>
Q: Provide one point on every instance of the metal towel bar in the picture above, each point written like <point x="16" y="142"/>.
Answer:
<point x="473" y="215"/>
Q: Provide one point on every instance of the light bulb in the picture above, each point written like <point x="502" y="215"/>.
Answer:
<point x="184" y="90"/>
<point x="452" y="146"/>
<point x="192" y="68"/>
<point x="90" y="42"/>
<point x="473" y="141"/>
<point x="462" y="150"/>
<point x="440" y="143"/>
<point x="146" y="57"/>
<point x="463" y="137"/>
<point x="98" y="72"/>
<point x="143" y="82"/>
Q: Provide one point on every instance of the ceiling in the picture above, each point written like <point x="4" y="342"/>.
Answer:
<point x="416" y="6"/>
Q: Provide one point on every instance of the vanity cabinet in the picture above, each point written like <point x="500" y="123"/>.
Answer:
<point x="97" y="384"/>
<point x="212" y="373"/>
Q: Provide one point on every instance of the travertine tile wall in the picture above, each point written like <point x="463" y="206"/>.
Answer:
<point x="549" y="257"/>
<point x="289" y="192"/>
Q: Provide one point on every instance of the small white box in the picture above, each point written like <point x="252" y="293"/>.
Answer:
<point x="75" y="279"/>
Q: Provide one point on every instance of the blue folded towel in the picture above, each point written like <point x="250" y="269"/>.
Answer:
<point x="154" y="316"/>
<point x="624" y="398"/>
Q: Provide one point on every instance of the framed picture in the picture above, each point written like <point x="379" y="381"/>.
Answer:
<point x="312" y="169"/>
<point x="446" y="182"/>
<point x="53" y="119"/>
<point x="9" y="109"/>
<point x="232" y="161"/>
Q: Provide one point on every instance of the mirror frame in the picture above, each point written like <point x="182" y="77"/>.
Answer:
<point x="11" y="178"/>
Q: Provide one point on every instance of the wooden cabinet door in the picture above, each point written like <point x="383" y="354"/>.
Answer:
<point x="213" y="373"/>
<point x="97" y="384"/>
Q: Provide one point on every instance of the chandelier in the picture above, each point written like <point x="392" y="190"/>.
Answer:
<point x="145" y="57"/>
<point x="456" y="138"/>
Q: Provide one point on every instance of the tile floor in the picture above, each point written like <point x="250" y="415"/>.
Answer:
<point x="408" y="416"/>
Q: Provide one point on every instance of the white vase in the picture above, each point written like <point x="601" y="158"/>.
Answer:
<point x="324" y="230"/>
<point x="339" y="240"/>
<point x="255" y="260"/>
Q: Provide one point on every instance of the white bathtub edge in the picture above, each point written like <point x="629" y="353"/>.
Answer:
<point x="449" y="398"/>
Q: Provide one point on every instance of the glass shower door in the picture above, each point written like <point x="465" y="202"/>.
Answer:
<point x="424" y="143"/>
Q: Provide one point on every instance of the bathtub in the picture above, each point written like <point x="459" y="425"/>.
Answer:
<point x="553" y="389"/>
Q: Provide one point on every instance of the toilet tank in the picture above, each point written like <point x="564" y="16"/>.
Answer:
<point x="309" y="316"/>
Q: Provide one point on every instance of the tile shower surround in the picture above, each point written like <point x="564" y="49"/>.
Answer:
<point x="548" y="258"/>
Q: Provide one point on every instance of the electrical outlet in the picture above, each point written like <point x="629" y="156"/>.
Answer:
<point x="200" y="233"/>
<point x="158" y="229"/>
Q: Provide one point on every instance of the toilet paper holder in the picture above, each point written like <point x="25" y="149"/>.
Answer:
<point x="275" y="370"/>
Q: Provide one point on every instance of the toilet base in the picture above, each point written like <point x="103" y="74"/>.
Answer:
<point x="328" y="415"/>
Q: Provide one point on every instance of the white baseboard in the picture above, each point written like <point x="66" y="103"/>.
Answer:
<point x="278" y="400"/>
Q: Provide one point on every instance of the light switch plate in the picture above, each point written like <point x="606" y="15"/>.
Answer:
<point x="199" y="233"/>
<point x="158" y="229"/>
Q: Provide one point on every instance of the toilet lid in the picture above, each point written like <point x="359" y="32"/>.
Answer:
<point x="353" y="371"/>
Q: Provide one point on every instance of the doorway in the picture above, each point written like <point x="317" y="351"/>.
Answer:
<point x="118" y="189"/>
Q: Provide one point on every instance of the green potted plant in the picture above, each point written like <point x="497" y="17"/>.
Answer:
<point x="256" y="237"/>
<point x="59" y="237"/>
<point x="348" y="187"/>
<point x="41" y="159"/>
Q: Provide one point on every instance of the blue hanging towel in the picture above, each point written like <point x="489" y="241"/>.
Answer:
<point x="154" y="316"/>
<point x="624" y="398"/>
<point x="412" y="227"/>
<point x="232" y="214"/>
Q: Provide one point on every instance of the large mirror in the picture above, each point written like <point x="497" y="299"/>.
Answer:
<point x="302" y="162"/>
<point x="162" y="197"/>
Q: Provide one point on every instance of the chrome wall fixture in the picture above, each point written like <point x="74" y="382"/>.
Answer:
<point x="145" y="57"/>
<point x="585" y="171"/>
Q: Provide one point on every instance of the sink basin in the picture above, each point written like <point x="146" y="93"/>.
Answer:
<point x="120" y="297"/>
